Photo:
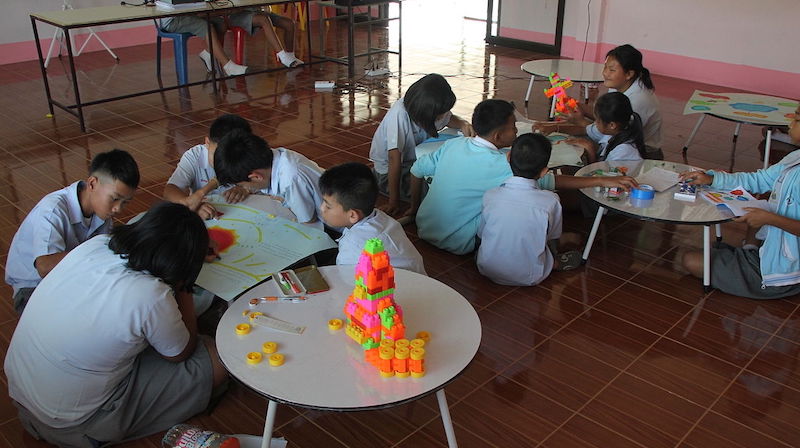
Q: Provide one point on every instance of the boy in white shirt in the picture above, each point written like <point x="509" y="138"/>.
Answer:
<point x="247" y="160"/>
<point x="349" y="192"/>
<point x="194" y="177"/>
<point x="520" y="222"/>
<point x="66" y="218"/>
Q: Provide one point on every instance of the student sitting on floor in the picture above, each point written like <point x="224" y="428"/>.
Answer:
<point x="772" y="271"/>
<point x="65" y="218"/>
<point x="464" y="169"/>
<point x="616" y="133"/>
<point x="519" y="220"/>
<point x="247" y="160"/>
<point x="194" y="178"/>
<point x="252" y="19"/>
<point x="420" y="114"/>
<point x="349" y="192"/>
<point x="108" y="349"/>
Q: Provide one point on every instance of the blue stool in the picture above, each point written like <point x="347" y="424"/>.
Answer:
<point x="179" y="41"/>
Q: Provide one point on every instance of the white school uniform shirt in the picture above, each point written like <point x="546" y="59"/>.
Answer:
<point x="82" y="330"/>
<point x="396" y="130"/>
<point x="645" y="103"/>
<point x="517" y="221"/>
<point x="623" y="151"/>
<point x="402" y="253"/>
<point x="56" y="224"/>
<point x="295" y="178"/>
<point x="194" y="171"/>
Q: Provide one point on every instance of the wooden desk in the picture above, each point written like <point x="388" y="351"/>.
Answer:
<point x="325" y="369"/>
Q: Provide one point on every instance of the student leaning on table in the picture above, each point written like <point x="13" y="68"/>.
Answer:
<point x="773" y="270"/>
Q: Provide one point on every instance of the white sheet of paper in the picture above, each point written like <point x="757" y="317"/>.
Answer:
<point x="262" y="243"/>
<point x="738" y="207"/>
<point x="658" y="178"/>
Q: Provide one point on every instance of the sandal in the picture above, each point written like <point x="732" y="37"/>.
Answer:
<point x="569" y="260"/>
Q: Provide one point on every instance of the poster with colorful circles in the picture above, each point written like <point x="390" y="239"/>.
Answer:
<point x="744" y="107"/>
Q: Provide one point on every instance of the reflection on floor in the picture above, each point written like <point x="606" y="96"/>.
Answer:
<point x="626" y="352"/>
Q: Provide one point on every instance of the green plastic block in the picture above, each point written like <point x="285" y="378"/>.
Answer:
<point x="373" y="246"/>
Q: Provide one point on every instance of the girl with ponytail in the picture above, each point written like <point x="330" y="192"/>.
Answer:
<point x="618" y="131"/>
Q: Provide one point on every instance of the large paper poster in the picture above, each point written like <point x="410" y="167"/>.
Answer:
<point x="745" y="107"/>
<point x="253" y="244"/>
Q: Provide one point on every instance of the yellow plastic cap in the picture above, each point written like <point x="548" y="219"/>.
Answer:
<point x="417" y="343"/>
<point x="401" y="343"/>
<point x="424" y="335"/>
<point x="269" y="347"/>
<point x="276" y="359"/>
<point x="253" y="358"/>
<point x="335" y="324"/>
<point x="243" y="329"/>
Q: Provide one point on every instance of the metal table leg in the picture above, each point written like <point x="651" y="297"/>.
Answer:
<point x="446" y="421"/>
<point x="599" y="217"/>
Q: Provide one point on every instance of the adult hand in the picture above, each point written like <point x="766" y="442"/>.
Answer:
<point x="696" y="177"/>
<point x="756" y="217"/>
<point x="235" y="194"/>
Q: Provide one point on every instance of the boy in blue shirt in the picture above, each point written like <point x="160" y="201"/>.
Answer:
<point x="247" y="160"/>
<point x="772" y="271"/>
<point x="349" y="192"/>
<point x="66" y="218"/>
<point x="519" y="219"/>
<point x="465" y="168"/>
<point x="194" y="177"/>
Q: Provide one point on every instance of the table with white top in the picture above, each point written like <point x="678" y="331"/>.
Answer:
<point x="325" y="369"/>
<point x="576" y="71"/>
<point x="744" y="115"/>
<point x="663" y="208"/>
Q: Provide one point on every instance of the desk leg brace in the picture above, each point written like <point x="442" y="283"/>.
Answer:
<point x="446" y="421"/>
<point x="599" y="217"/>
<point x="706" y="259"/>
<point x="269" y="423"/>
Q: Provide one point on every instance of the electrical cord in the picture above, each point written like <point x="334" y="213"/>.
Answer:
<point x="588" y="24"/>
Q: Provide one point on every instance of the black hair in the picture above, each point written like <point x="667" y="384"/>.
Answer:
<point x="118" y="165"/>
<point x="352" y="184"/>
<point x="170" y="242"/>
<point x="225" y="124"/>
<point x="631" y="59"/>
<point x="615" y="107"/>
<point x="490" y="115"/>
<point x="529" y="155"/>
<point x="428" y="98"/>
<point x="238" y="154"/>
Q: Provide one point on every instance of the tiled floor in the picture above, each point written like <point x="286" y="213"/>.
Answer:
<point x="626" y="352"/>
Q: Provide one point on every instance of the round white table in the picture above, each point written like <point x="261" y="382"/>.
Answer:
<point x="326" y="370"/>
<point x="576" y="71"/>
<point x="663" y="208"/>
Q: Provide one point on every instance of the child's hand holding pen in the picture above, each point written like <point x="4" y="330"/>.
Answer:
<point x="696" y="177"/>
<point x="207" y="211"/>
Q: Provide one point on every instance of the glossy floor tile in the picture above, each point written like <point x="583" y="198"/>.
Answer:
<point x="627" y="351"/>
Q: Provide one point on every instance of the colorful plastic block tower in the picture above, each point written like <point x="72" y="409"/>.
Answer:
<point x="375" y="321"/>
<point x="564" y="103"/>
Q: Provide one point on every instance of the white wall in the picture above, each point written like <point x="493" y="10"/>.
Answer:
<point x="760" y="33"/>
<point x="15" y="23"/>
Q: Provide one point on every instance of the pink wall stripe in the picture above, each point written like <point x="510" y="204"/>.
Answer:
<point x="735" y="76"/>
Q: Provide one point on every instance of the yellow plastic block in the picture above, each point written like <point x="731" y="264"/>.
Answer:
<point x="335" y="324"/>
<point x="276" y="359"/>
<point x="243" y="329"/>
<point x="253" y="358"/>
<point x="269" y="347"/>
